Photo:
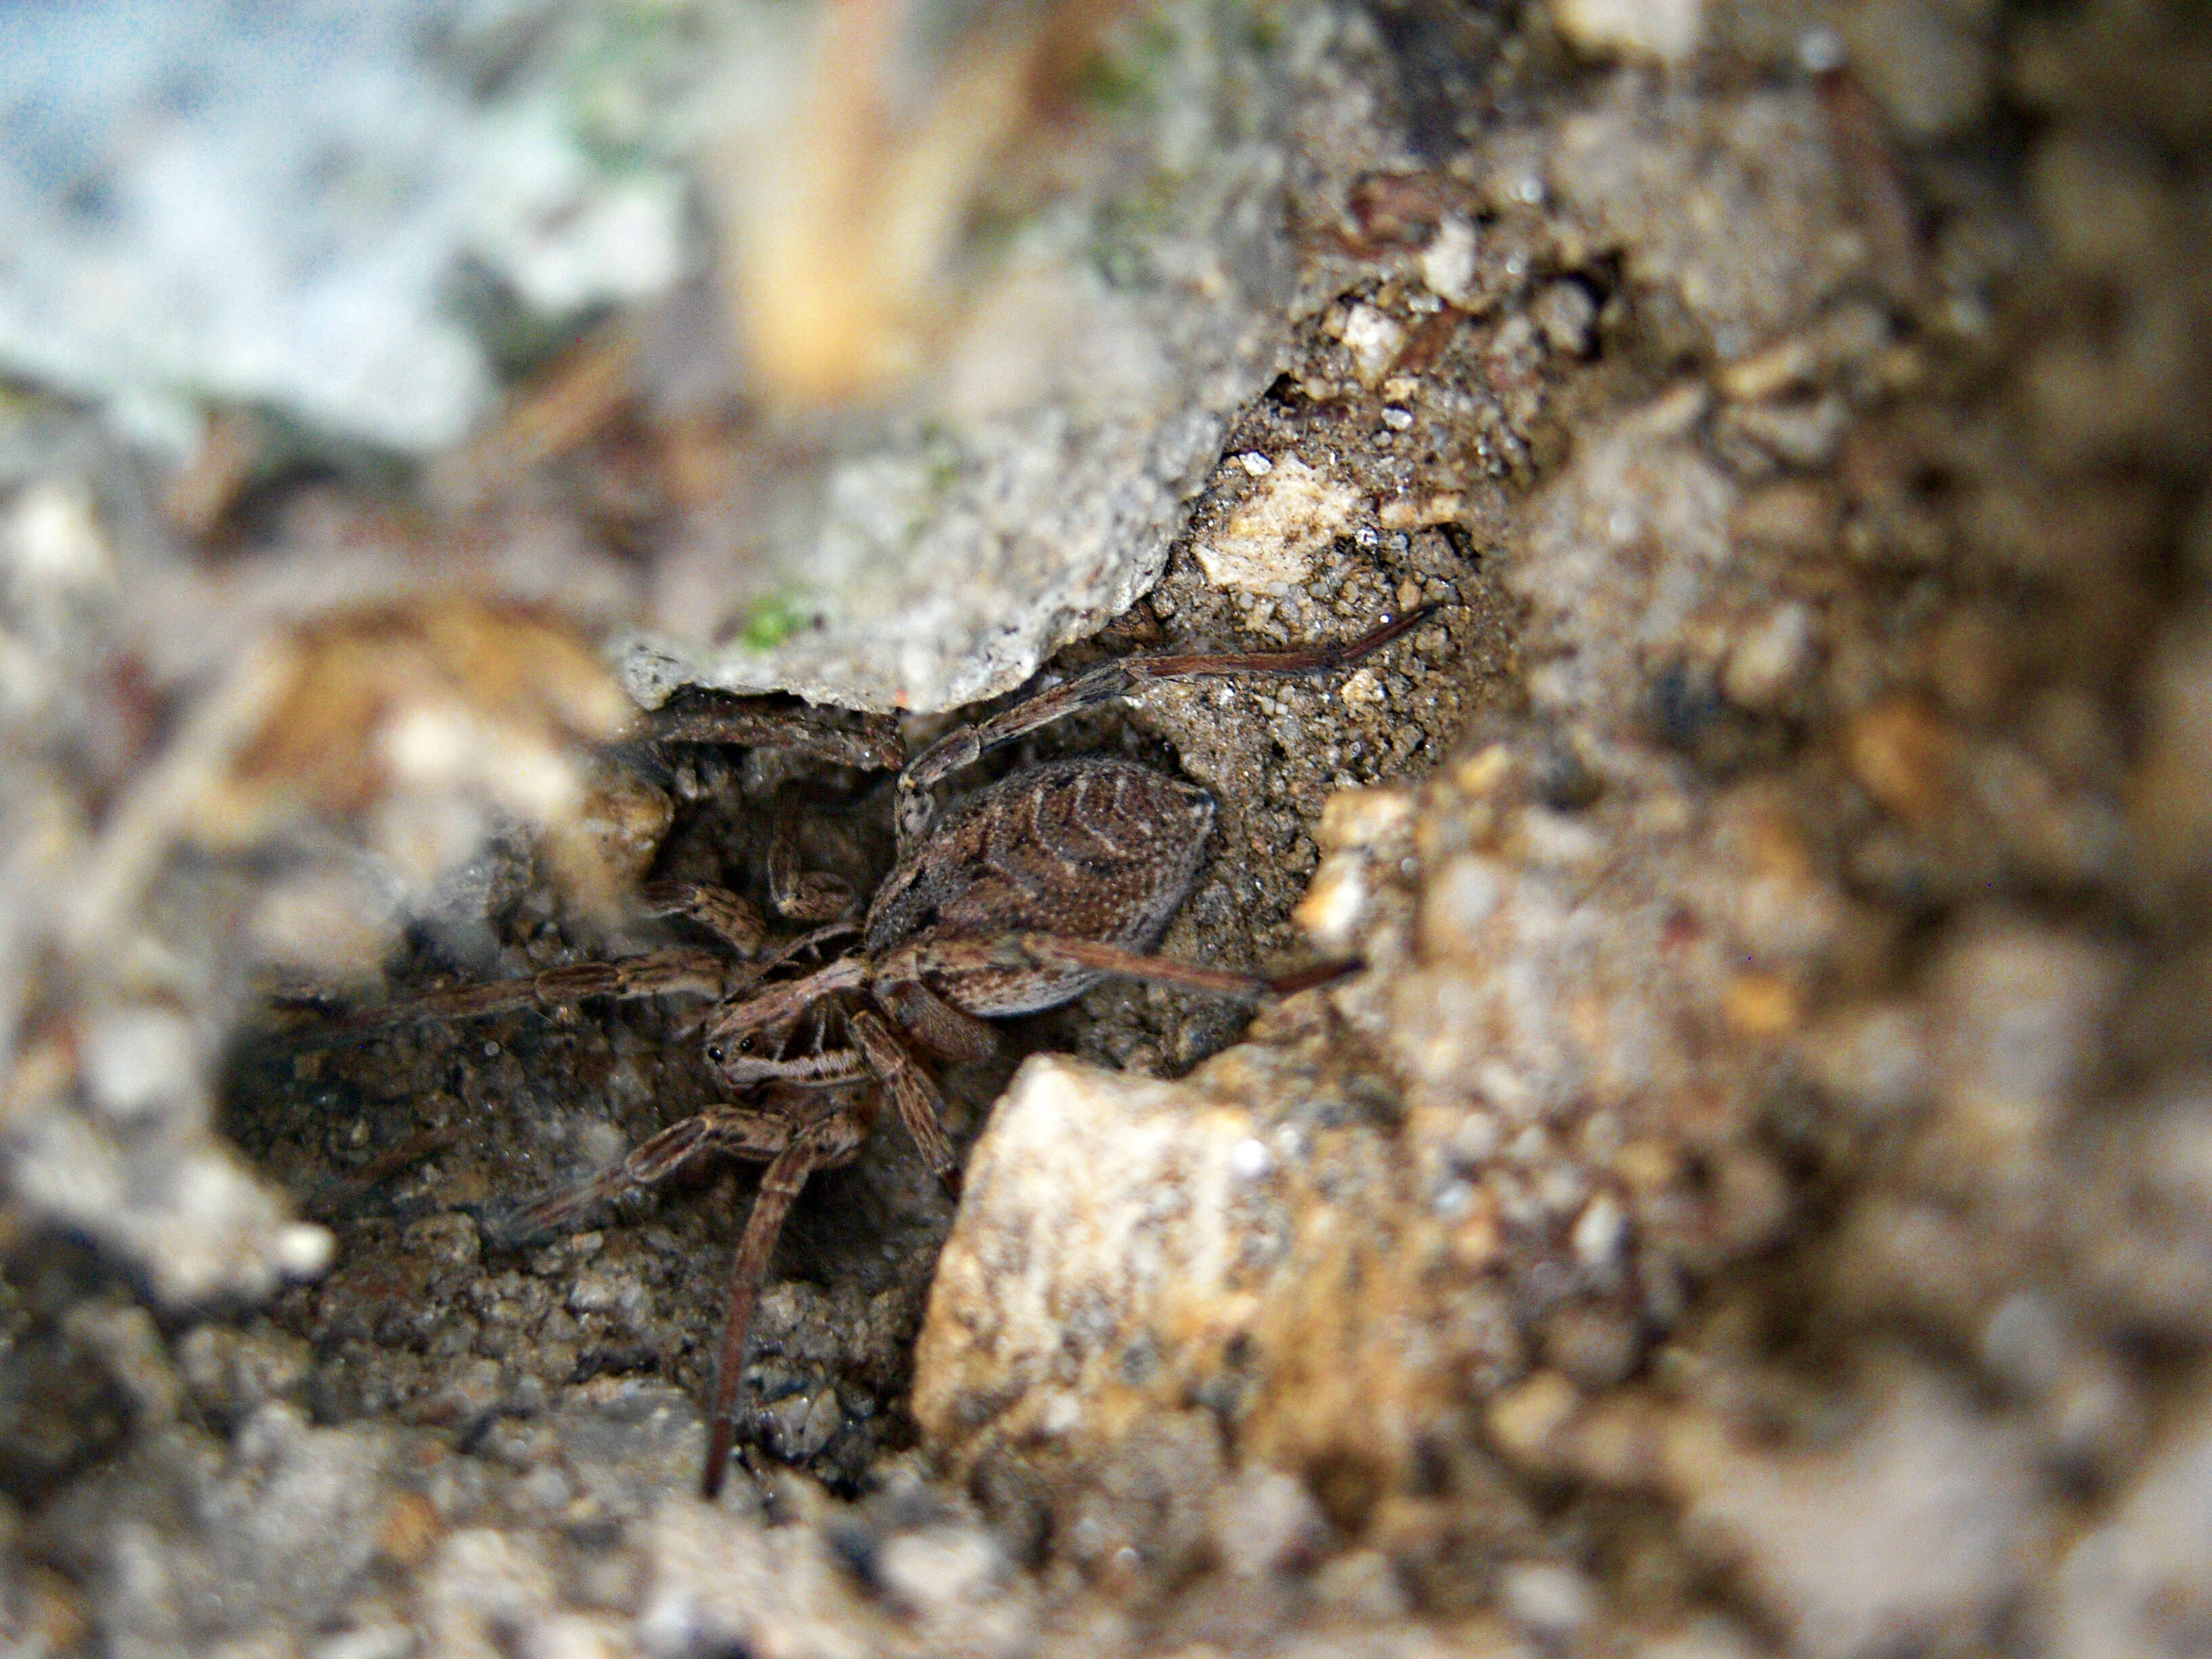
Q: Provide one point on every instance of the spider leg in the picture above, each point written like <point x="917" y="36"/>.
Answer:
<point x="801" y="894"/>
<point x="330" y="1200"/>
<point x="920" y="1106"/>
<point x="826" y="1141"/>
<point x="1114" y="678"/>
<point x="730" y="1129"/>
<point x="720" y="911"/>
<point x="945" y="1029"/>
<point x="810" y="941"/>
<point x="557" y="992"/>
<point x="949" y="959"/>
<point x="769" y="1004"/>
<point x="697" y="714"/>
<point x="1056" y="949"/>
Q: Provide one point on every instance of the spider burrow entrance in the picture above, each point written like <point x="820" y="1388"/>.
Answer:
<point x="877" y="1034"/>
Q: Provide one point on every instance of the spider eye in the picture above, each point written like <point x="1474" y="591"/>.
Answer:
<point x="747" y="1044"/>
<point x="714" y="1053"/>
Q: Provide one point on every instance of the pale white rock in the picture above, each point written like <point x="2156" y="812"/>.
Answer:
<point x="1600" y="1231"/>
<point x="1264" y="1522"/>
<point x="942" y="1564"/>
<point x="1729" y="202"/>
<point x="139" y="1059"/>
<point x="1037" y="479"/>
<point x="485" y="1586"/>
<point x="2137" y="1582"/>
<point x="1770" y="659"/>
<point x="1268" y="543"/>
<point x="199" y="1224"/>
<point x="1463" y="895"/>
<point x="1373" y="338"/>
<point x="202" y="1546"/>
<point x="304" y="1250"/>
<point x="1336" y="903"/>
<point x="824" y="1415"/>
<point x="720" y="1584"/>
<point x="1925" y="1523"/>
<point x="1364" y="817"/>
<point x="1447" y="262"/>
<point x="1655" y="31"/>
<point x="579" y="1636"/>
<point x="1250" y="1158"/>
<point x="1117" y="1196"/>
<point x="606" y="1292"/>
<point x="1061" y="1412"/>
<point x="1127" y="1246"/>
<point x="1560" y="840"/>
<point x="1548" y="1599"/>
<point x="1624" y="547"/>
<point x="52" y="545"/>
<point x="547" y="216"/>
<point x="1565" y="314"/>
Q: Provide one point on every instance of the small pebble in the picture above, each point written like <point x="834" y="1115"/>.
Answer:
<point x="1548" y="1599"/>
<point x="1249" y="1159"/>
<point x="1374" y="339"/>
<point x="1362" y="1584"/>
<point x="1657" y="31"/>
<point x="1448" y="264"/>
<point x="1770" y="660"/>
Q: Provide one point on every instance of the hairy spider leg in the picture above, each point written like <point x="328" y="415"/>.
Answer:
<point x="1115" y="677"/>
<point x="677" y="971"/>
<point x="794" y="1150"/>
<point x="945" y="959"/>
<point x="557" y="992"/>
<point x="798" y="894"/>
<point x="826" y="1141"/>
<point x="722" y="913"/>
<point x="921" y="1107"/>
<point x="901" y="981"/>
<point x="734" y="1130"/>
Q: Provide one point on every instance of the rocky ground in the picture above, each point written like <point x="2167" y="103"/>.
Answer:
<point x="1756" y="1198"/>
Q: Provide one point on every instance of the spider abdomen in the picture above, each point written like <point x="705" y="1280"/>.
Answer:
<point x="1093" y="848"/>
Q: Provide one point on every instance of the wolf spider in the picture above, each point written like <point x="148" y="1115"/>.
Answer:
<point x="1025" y="895"/>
